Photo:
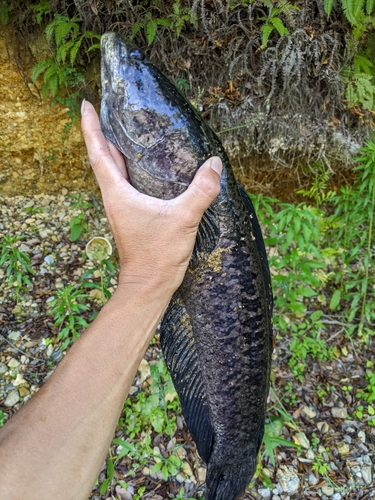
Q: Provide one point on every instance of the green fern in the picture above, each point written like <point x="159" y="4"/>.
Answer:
<point x="370" y="5"/>
<point x="328" y="4"/>
<point x="362" y="65"/>
<point x="41" y="9"/>
<point x="266" y="32"/>
<point x="40" y="67"/>
<point x="273" y="22"/>
<point x="360" y="91"/>
<point x="279" y="26"/>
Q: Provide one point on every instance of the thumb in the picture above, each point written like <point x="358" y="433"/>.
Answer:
<point x="204" y="188"/>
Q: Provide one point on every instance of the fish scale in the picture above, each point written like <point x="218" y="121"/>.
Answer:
<point x="216" y="334"/>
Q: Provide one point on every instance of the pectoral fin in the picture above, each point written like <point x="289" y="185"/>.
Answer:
<point x="180" y="352"/>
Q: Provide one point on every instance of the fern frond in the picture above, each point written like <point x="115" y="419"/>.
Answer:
<point x="348" y="6"/>
<point x="370" y="4"/>
<point x="74" y="51"/>
<point x="328" y="4"/>
<point x="163" y="22"/>
<point x="151" y="28"/>
<point x="63" y="50"/>
<point x="40" y="67"/>
<point x="279" y="26"/>
<point x="266" y="31"/>
<point x="51" y="86"/>
<point x="52" y="70"/>
<point x="358" y="11"/>
<point x="61" y="30"/>
<point x="362" y="65"/>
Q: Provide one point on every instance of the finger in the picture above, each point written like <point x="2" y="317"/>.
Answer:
<point x="204" y="188"/>
<point x="102" y="161"/>
<point x="119" y="159"/>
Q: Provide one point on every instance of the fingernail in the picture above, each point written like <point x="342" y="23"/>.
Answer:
<point x="216" y="165"/>
<point x="83" y="106"/>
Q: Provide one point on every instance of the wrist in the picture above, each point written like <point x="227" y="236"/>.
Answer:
<point x="150" y="280"/>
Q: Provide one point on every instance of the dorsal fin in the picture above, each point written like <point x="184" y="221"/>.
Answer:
<point x="259" y="243"/>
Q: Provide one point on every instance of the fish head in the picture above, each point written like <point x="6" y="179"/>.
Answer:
<point x="149" y="121"/>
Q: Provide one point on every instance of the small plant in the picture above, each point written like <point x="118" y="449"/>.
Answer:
<point x="174" y="22"/>
<point x="273" y="21"/>
<point x="307" y="341"/>
<point x="147" y="413"/>
<point x="2" y="418"/>
<point x="78" y="223"/>
<point x="297" y="262"/>
<point x="272" y="439"/>
<point x="17" y="264"/>
<point x="368" y="393"/>
<point x="354" y="208"/>
<point x="58" y="70"/>
<point x="366" y="412"/>
<point x="67" y="308"/>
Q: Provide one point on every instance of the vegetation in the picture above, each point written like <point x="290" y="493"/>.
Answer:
<point x="282" y="60"/>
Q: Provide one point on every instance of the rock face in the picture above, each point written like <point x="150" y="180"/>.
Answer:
<point x="33" y="156"/>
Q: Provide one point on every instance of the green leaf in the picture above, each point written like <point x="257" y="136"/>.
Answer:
<point x="278" y="24"/>
<point x="370" y="4"/>
<point x="266" y="31"/>
<point x="75" y="231"/>
<point x="151" y="29"/>
<point x="104" y="486"/>
<point x="73" y="52"/>
<point x="335" y="300"/>
<point x="306" y="291"/>
<point x="40" y="67"/>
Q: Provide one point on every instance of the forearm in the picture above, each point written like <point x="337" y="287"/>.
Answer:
<point x="66" y="429"/>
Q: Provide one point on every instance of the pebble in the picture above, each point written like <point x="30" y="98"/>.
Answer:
<point x="19" y="380"/>
<point x="362" y="436"/>
<point x="342" y="448"/>
<point x="288" y="479"/>
<point x="301" y="439"/>
<point x="339" y="413"/>
<point x="308" y="412"/>
<point x="313" y="480"/>
<point x="49" y="260"/>
<point x="14" y="336"/>
<point x="367" y="474"/>
<point x="12" y="398"/>
<point x="3" y="368"/>
<point x="23" y="392"/>
<point x="337" y="496"/>
<point x="13" y="363"/>
<point x="264" y="492"/>
<point x="202" y="474"/>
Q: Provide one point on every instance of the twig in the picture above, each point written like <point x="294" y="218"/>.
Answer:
<point x="20" y="350"/>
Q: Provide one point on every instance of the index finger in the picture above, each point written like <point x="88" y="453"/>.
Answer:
<point x="107" y="162"/>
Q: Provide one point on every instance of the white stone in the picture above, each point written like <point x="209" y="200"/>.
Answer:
<point x="13" y="363"/>
<point x="339" y="413"/>
<point x="12" y="399"/>
<point x="264" y="492"/>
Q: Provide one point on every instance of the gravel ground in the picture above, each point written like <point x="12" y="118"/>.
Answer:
<point x="324" y="423"/>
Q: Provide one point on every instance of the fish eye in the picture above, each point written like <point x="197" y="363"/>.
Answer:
<point x="136" y="54"/>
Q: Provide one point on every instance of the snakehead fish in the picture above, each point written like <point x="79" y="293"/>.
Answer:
<point x="216" y="334"/>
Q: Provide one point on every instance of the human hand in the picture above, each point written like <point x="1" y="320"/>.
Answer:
<point x="155" y="238"/>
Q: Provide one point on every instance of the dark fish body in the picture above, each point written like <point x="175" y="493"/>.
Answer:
<point x="216" y="335"/>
